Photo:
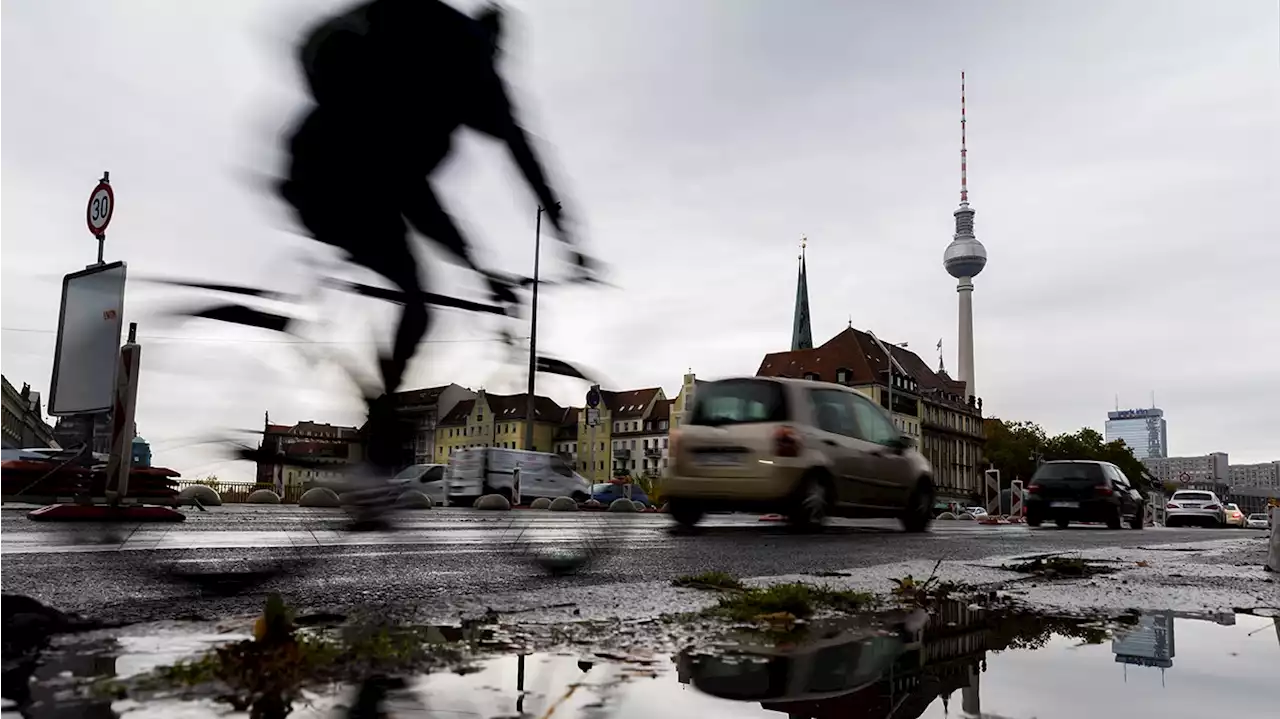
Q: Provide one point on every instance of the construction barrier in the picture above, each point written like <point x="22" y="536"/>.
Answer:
<point x="1015" y="499"/>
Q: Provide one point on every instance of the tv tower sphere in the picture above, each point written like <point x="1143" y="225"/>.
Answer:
<point x="965" y="256"/>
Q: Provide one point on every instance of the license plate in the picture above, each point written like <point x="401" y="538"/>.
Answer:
<point x="1065" y="505"/>
<point x="718" y="460"/>
<point x="1192" y="506"/>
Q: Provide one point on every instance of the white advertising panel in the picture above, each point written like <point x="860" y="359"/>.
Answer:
<point x="87" y="353"/>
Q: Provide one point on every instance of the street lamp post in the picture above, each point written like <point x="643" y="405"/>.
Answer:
<point x="888" y="353"/>
<point x="530" y="406"/>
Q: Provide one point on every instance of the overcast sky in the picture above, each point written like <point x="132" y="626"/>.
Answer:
<point x="1122" y="161"/>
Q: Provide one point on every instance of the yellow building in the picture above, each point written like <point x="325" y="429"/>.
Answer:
<point x="495" y="420"/>
<point x="683" y="400"/>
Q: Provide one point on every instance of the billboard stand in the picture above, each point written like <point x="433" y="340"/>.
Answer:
<point x="93" y="374"/>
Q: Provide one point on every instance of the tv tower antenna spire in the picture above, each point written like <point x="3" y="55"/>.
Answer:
<point x="964" y="151"/>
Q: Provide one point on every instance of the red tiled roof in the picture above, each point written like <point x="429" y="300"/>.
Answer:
<point x="568" y="428"/>
<point x="429" y="395"/>
<point x="859" y="354"/>
<point x="515" y="406"/>
<point x="662" y="408"/>
<point x="457" y="416"/>
<point x="629" y="404"/>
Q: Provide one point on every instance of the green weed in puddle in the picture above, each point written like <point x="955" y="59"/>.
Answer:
<point x="708" y="580"/>
<point x="795" y="599"/>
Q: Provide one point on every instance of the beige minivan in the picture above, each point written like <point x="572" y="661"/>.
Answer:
<point x="801" y="448"/>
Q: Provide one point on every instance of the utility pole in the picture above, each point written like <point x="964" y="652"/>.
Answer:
<point x="533" y="330"/>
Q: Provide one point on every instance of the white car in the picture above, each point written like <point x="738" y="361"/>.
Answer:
<point x="976" y="511"/>
<point x="1194" y="506"/>
<point x="430" y="479"/>
<point x="1257" y="521"/>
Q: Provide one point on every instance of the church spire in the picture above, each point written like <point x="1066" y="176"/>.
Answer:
<point x="801" y="334"/>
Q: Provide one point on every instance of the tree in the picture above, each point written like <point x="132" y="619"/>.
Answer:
<point x="1012" y="447"/>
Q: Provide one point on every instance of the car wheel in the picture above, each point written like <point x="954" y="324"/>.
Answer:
<point x="579" y="497"/>
<point x="1033" y="520"/>
<point x="1116" y="520"/>
<point x="919" y="511"/>
<point x="1062" y="523"/>
<point x="1139" y="520"/>
<point x="809" y="510"/>
<point x="685" y="513"/>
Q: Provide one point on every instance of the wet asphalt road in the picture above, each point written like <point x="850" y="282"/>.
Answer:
<point x="126" y="572"/>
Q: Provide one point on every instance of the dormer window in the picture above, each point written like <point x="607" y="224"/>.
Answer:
<point x="843" y="376"/>
<point x="811" y="376"/>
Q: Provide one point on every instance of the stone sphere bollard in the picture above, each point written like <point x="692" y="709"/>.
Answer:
<point x="540" y="503"/>
<point x="946" y="515"/>
<point x="494" y="502"/>
<point x="414" y="499"/>
<point x="207" y="496"/>
<point x="263" y="496"/>
<point x="319" y="497"/>
<point x="563" y="504"/>
<point x="622" y="504"/>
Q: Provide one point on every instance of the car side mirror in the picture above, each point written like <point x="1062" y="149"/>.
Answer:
<point x="901" y="443"/>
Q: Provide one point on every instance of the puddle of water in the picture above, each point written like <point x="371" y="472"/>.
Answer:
<point x="960" y="661"/>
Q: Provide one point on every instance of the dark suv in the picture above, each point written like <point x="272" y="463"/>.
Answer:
<point x="1084" y="491"/>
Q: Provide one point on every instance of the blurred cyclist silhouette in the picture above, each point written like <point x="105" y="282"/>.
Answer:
<point x="391" y="81"/>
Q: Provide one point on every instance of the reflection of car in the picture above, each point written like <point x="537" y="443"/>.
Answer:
<point x="802" y="448"/>
<point x="1066" y="491"/>
<point x="607" y="492"/>
<point x="491" y="470"/>
<point x="426" y="478"/>
<point x="1234" y="517"/>
<point x="1257" y="521"/>
<point x="831" y="664"/>
<point x="1188" y="506"/>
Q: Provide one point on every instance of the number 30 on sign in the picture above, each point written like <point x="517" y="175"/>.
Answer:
<point x="102" y="203"/>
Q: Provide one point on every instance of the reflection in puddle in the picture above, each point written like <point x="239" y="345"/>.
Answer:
<point x="957" y="661"/>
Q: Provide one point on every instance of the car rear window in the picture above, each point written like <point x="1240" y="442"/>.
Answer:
<point x="1193" y="496"/>
<point x="1069" y="473"/>
<point x="741" y="401"/>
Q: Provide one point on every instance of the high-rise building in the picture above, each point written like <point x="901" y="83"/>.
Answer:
<point x="1205" y="469"/>
<point x="801" y="334"/>
<point x="1143" y="430"/>
<point x="964" y="258"/>
<point x="1263" y="474"/>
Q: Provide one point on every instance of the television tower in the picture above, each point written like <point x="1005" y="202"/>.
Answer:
<point x="964" y="259"/>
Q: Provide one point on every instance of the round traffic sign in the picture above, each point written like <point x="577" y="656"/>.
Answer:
<point x="593" y="398"/>
<point x="102" y="204"/>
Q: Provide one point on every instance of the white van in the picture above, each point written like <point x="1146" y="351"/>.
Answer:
<point x="490" y="470"/>
<point x="426" y="478"/>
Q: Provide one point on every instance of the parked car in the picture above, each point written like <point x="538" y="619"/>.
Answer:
<point x="1234" y="517"/>
<point x="430" y="479"/>
<point x="976" y="511"/>
<point x="800" y="448"/>
<point x="1194" y="507"/>
<point x="1257" y="521"/>
<point x="1068" y="491"/>
<point x="606" y="492"/>
<point x="491" y="470"/>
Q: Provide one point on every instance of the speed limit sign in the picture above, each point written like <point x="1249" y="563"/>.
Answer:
<point x="102" y="203"/>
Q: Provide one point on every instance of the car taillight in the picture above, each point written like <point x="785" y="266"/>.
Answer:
<point x="1103" y="489"/>
<point x="1171" y="505"/>
<point x="1033" y="488"/>
<point x="1213" y="506"/>
<point x="786" y="442"/>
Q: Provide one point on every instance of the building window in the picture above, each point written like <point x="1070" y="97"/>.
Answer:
<point x="842" y="376"/>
